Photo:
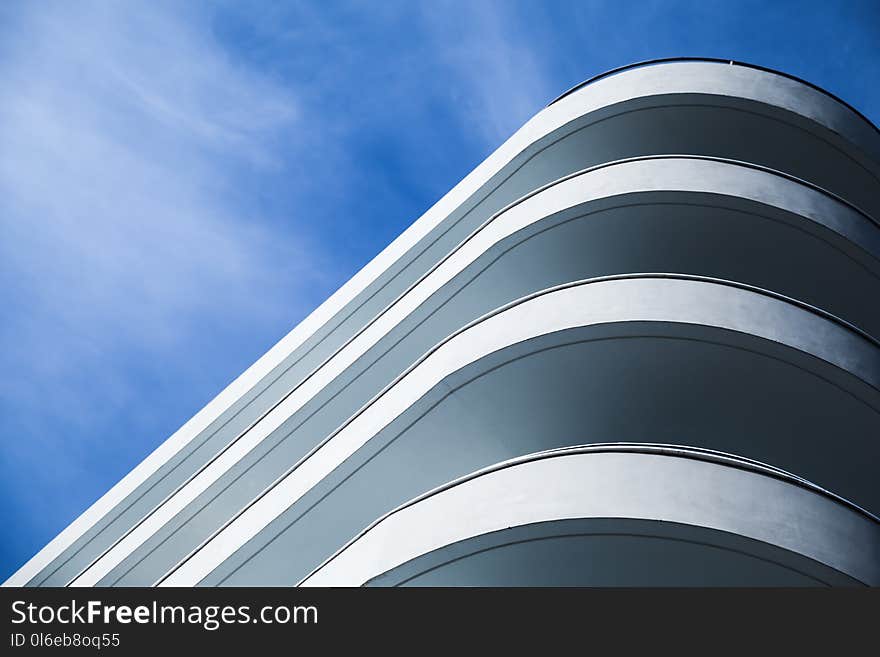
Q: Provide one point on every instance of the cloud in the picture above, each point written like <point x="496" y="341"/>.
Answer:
<point x="122" y="141"/>
<point x="125" y="241"/>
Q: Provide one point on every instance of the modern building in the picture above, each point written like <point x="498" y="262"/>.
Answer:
<point x="638" y="345"/>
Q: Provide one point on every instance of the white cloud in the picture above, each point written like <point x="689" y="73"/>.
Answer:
<point x="124" y="135"/>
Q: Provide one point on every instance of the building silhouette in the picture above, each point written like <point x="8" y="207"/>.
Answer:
<point x="637" y="345"/>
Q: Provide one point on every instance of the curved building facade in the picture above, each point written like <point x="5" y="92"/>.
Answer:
<point x="636" y="346"/>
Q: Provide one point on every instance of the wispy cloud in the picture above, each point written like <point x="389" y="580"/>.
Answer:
<point x="125" y="135"/>
<point x="121" y="143"/>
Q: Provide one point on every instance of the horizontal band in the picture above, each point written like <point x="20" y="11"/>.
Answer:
<point x="671" y="485"/>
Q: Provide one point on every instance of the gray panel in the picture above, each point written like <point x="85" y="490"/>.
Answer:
<point x="612" y="552"/>
<point x="672" y="492"/>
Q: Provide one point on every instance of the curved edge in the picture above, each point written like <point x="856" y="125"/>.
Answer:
<point x="700" y="453"/>
<point x="713" y="60"/>
<point x="675" y="451"/>
<point x="558" y="532"/>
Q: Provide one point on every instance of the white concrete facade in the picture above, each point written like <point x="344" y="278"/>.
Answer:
<point x="680" y="253"/>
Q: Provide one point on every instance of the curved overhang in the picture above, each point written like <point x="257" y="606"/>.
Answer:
<point x="743" y="216"/>
<point x="786" y="100"/>
<point x="769" y="119"/>
<point x="808" y="342"/>
<point x="679" y="488"/>
<point x="612" y="552"/>
<point x="715" y="60"/>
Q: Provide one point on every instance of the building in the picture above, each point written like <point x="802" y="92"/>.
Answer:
<point x="635" y="346"/>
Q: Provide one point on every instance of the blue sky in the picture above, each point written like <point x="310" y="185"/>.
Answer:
<point x="181" y="182"/>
